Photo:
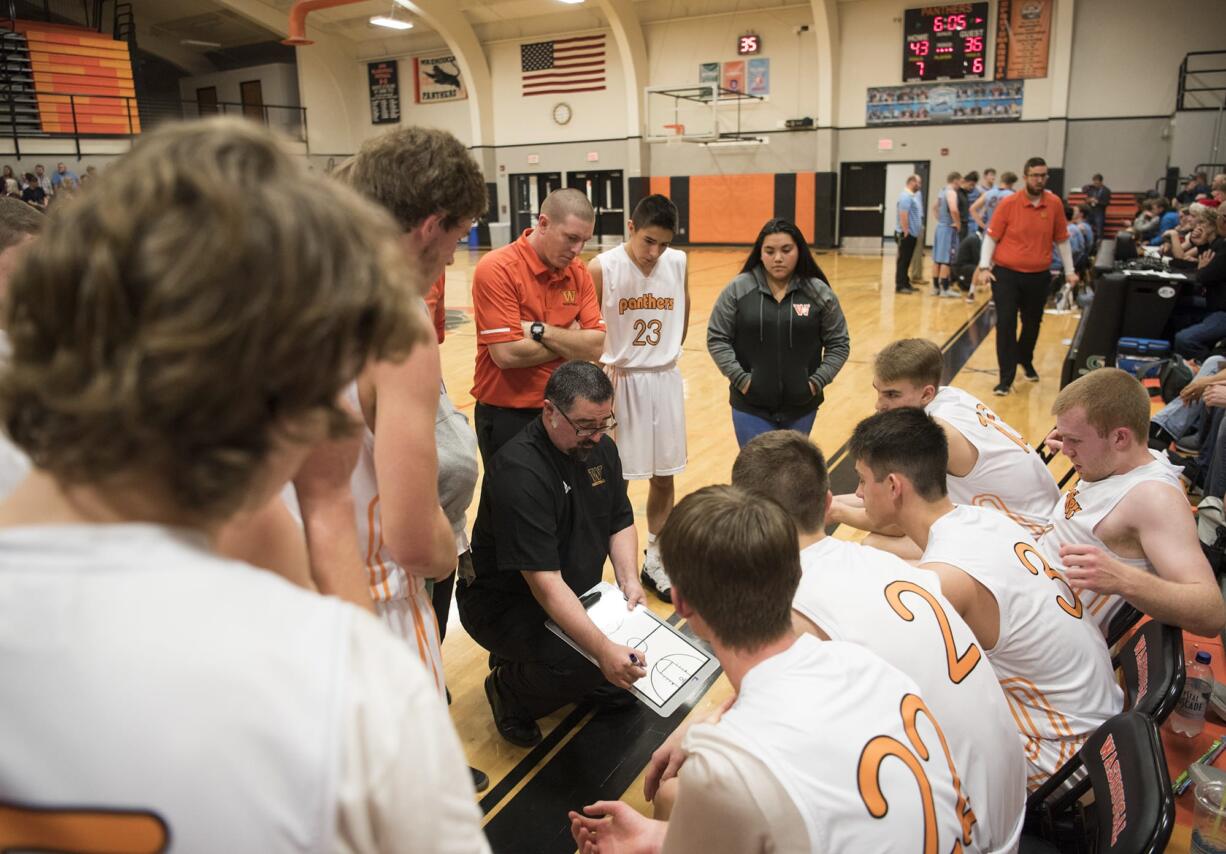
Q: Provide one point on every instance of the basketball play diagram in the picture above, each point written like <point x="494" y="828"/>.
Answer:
<point x="671" y="661"/>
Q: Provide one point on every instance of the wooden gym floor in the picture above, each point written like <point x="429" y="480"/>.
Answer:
<point x="586" y="757"/>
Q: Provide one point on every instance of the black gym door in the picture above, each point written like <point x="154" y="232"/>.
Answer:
<point x="606" y="192"/>
<point x="862" y="200"/>
<point x="527" y="193"/>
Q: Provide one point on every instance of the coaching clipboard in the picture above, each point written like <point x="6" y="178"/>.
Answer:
<point x="676" y="665"/>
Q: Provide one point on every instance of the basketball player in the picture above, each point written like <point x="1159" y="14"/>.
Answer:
<point x="1050" y="659"/>
<point x="779" y="770"/>
<point x="990" y="464"/>
<point x="176" y="350"/>
<point x="945" y="238"/>
<point x="1124" y="531"/>
<point x="645" y="299"/>
<point x="850" y="592"/>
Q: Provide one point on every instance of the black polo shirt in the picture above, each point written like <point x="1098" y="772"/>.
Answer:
<point x="542" y="510"/>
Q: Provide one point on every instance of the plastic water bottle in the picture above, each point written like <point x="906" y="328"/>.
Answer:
<point x="1189" y="716"/>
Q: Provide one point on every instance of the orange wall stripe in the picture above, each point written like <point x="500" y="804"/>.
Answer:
<point x="730" y="208"/>
<point x="806" y="200"/>
<point x="659" y="184"/>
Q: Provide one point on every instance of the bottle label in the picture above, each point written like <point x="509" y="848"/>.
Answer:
<point x="1195" y="698"/>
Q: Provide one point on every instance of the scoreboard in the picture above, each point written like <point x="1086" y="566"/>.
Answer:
<point x="945" y="42"/>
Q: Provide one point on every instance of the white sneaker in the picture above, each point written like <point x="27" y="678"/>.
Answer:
<point x="654" y="577"/>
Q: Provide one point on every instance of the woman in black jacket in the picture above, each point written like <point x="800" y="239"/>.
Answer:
<point x="778" y="334"/>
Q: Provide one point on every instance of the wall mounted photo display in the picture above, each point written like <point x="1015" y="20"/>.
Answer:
<point x="734" y="75"/>
<point x="759" y="77"/>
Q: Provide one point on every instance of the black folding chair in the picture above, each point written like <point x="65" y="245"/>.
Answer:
<point x="1133" y="809"/>
<point x="1125" y="618"/>
<point x="1153" y="668"/>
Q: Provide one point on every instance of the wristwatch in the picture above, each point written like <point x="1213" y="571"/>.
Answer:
<point x="537" y="331"/>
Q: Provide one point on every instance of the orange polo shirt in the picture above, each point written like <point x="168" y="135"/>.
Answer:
<point x="511" y="285"/>
<point x="436" y="305"/>
<point x="1025" y="232"/>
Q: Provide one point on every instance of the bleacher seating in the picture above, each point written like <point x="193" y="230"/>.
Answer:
<point x="92" y="67"/>
<point x="1120" y="213"/>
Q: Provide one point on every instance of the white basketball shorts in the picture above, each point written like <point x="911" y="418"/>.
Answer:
<point x="649" y="405"/>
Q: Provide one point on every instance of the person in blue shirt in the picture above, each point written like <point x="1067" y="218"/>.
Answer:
<point x="1076" y="242"/>
<point x="983" y="207"/>
<point x="977" y="192"/>
<point x="1168" y="222"/>
<point x="945" y="240"/>
<point x="909" y="231"/>
<point x="62" y="174"/>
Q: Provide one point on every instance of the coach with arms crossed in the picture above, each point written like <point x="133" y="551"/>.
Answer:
<point x="553" y="507"/>
<point x="534" y="305"/>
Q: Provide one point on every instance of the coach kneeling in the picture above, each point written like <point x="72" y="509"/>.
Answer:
<point x="553" y="507"/>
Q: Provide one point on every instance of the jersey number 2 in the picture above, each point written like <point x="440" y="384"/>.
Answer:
<point x="647" y="333"/>
<point x="960" y="666"/>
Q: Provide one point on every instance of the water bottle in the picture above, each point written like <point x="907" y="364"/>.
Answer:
<point x="1189" y="716"/>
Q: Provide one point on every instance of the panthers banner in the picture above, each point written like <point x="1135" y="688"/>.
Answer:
<point x="437" y="78"/>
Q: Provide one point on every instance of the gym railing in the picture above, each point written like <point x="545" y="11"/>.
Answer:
<point x="127" y="116"/>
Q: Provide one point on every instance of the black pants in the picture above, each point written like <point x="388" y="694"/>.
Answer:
<point x="906" y="247"/>
<point x="497" y="425"/>
<point x="537" y="672"/>
<point x="1017" y="293"/>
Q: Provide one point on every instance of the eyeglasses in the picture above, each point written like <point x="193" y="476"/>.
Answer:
<point x="585" y="432"/>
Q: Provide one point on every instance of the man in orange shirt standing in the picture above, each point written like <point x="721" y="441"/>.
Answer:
<point x="1015" y="258"/>
<point x="535" y="308"/>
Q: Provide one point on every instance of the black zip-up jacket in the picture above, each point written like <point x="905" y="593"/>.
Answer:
<point x="780" y="345"/>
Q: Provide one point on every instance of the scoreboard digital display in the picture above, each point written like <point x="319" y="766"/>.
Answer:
<point x="945" y="42"/>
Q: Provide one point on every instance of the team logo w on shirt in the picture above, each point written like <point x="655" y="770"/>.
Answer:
<point x="1070" y="504"/>
<point x="596" y="473"/>
<point x="569" y="297"/>
<point x="802" y="309"/>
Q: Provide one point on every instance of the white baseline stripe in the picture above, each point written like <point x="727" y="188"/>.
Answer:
<point x="495" y="331"/>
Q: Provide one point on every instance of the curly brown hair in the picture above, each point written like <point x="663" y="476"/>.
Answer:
<point x="416" y="172"/>
<point x="206" y="302"/>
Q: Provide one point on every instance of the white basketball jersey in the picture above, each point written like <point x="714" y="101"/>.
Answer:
<point x="873" y="599"/>
<point x="644" y="315"/>
<point x="388" y="580"/>
<point x="1050" y="658"/>
<point x="14" y="464"/>
<point x="144" y="674"/>
<point x="1085" y="505"/>
<point x="1009" y="476"/>
<point x="845" y="735"/>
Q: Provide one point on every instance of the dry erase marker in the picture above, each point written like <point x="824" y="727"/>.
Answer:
<point x="634" y="659"/>
<point x="590" y="599"/>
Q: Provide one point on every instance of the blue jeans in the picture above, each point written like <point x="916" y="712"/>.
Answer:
<point x="1186" y="419"/>
<point x="747" y="426"/>
<point x="1194" y="341"/>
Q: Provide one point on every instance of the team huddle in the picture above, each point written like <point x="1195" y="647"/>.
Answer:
<point x="198" y="385"/>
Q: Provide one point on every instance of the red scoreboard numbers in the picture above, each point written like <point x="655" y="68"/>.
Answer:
<point x="945" y="42"/>
<point x="748" y="43"/>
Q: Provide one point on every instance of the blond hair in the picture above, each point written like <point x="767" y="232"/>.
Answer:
<point x="1111" y="399"/>
<point x="917" y="360"/>
<point x="560" y="204"/>
<point x="172" y="328"/>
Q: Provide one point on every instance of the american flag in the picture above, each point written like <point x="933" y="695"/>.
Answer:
<point x="563" y="65"/>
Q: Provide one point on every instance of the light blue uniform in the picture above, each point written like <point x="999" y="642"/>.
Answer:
<point x="975" y="193"/>
<point x="910" y="203"/>
<point x="945" y="241"/>
<point x="994" y="197"/>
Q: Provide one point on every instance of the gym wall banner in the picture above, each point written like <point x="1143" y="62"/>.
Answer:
<point x="1023" y="38"/>
<point x="437" y="78"/>
<point x="384" y="92"/>
<point x="945" y="103"/>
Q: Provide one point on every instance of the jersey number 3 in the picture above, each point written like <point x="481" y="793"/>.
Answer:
<point x="647" y="333"/>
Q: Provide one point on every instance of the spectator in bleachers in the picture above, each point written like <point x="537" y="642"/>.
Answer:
<point x="1194" y="342"/>
<point x="1218" y="188"/>
<point x="1145" y="225"/>
<point x="1185" y="250"/>
<point x="1098" y="197"/>
<point x="62" y="174"/>
<point x="1077" y="244"/>
<point x="985" y="205"/>
<point x="44" y="180"/>
<point x="1197" y="186"/>
<point x="12" y="189"/>
<point x="7" y="173"/>
<point x="33" y="193"/>
<point x="1185" y="421"/>
<point x="1168" y="221"/>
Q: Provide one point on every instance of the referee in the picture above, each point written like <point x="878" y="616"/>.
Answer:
<point x="553" y="508"/>
<point x="1015" y="258"/>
